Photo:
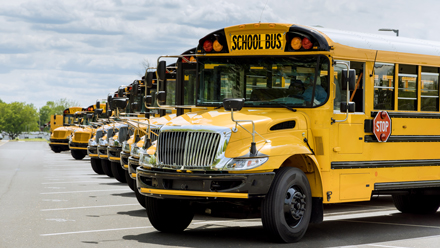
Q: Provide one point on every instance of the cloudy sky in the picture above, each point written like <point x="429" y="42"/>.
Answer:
<point x="83" y="49"/>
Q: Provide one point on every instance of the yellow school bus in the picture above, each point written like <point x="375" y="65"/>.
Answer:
<point x="299" y="125"/>
<point x="59" y="138"/>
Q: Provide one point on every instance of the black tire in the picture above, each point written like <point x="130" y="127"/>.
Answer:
<point x="141" y="198"/>
<point x="130" y="181"/>
<point x="287" y="208"/>
<point x="417" y="204"/>
<point x="106" y="167"/>
<point x="96" y="165"/>
<point x="117" y="172"/>
<point x="78" y="154"/>
<point x="169" y="215"/>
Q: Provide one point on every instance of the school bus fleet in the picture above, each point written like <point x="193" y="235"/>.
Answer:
<point x="273" y="120"/>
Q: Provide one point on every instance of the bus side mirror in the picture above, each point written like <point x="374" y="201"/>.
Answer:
<point x="121" y="92"/>
<point x="235" y="104"/>
<point x="135" y="89"/>
<point x="149" y="80"/>
<point x="161" y="97"/>
<point x="161" y="70"/>
<point x="351" y="107"/>
<point x="98" y="111"/>
<point x="148" y="100"/>
<point x="120" y="102"/>
<point x="351" y="79"/>
<point x="109" y="102"/>
<point x="98" y="105"/>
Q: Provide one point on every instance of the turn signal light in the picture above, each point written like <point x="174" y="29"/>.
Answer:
<point x="306" y="43"/>
<point x="217" y="46"/>
<point x="296" y="43"/>
<point x="207" y="46"/>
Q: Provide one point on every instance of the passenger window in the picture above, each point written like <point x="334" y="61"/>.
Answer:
<point x="429" y="89"/>
<point x="407" y="94"/>
<point x="384" y="86"/>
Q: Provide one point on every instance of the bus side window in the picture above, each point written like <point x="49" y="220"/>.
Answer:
<point x="383" y="86"/>
<point x="429" y="89"/>
<point x="356" y="96"/>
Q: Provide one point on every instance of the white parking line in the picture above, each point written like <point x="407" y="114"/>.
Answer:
<point x="103" y="206"/>
<point x="127" y="228"/>
<point x="348" y="216"/>
<point x="74" y="182"/>
<point x="86" y="191"/>
<point x="93" y="231"/>
<point x="392" y="224"/>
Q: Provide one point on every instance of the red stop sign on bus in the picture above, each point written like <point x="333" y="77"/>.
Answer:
<point x="382" y="126"/>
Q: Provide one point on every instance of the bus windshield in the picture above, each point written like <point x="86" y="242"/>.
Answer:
<point x="69" y="120"/>
<point x="264" y="81"/>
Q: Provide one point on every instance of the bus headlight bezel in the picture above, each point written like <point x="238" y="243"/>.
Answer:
<point x="245" y="164"/>
<point x="125" y="147"/>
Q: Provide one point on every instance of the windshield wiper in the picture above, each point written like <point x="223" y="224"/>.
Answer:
<point x="289" y="108"/>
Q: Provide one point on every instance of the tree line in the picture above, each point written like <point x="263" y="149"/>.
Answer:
<point x="18" y="117"/>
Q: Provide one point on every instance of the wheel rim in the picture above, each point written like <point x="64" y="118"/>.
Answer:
<point x="294" y="206"/>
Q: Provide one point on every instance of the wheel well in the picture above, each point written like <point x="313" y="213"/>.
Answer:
<point x="310" y="168"/>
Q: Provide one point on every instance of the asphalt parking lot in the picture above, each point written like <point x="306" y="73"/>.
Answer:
<point x="52" y="200"/>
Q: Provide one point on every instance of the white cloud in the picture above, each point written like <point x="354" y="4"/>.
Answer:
<point x="82" y="49"/>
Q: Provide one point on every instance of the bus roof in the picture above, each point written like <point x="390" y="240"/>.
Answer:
<point x="381" y="42"/>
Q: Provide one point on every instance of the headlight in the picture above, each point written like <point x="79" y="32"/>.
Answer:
<point x="245" y="164"/>
<point x="102" y="142"/>
<point x="144" y="158"/>
<point x="135" y="151"/>
<point x="92" y="142"/>
<point x="126" y="147"/>
<point x="113" y="142"/>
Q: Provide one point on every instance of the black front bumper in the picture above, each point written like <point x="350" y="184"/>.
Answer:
<point x="102" y="152"/>
<point x="62" y="144"/>
<point x="124" y="159"/>
<point x="80" y="146"/>
<point x="92" y="151"/>
<point x="114" y="153"/>
<point x="133" y="163"/>
<point x="255" y="185"/>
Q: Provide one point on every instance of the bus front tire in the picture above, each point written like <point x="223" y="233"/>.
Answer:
<point x="78" y="155"/>
<point x="141" y="198"/>
<point x="56" y="149"/>
<point x="416" y="203"/>
<point x="286" y="209"/>
<point x="117" y="172"/>
<point x="130" y="181"/>
<point x="169" y="215"/>
<point x="96" y="166"/>
<point x="106" y="167"/>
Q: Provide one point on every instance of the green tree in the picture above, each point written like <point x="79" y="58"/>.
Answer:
<point x="17" y="117"/>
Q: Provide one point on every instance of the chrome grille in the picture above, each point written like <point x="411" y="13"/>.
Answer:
<point x="188" y="148"/>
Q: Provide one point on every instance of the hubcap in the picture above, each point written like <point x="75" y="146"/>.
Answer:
<point x="294" y="206"/>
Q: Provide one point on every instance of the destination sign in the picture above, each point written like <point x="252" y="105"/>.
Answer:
<point x="248" y="42"/>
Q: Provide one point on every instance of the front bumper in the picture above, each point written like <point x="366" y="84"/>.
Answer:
<point x="63" y="144"/>
<point x="78" y="146"/>
<point x="133" y="163"/>
<point x="124" y="160"/>
<point x="114" y="153"/>
<point x="92" y="151"/>
<point x="102" y="152"/>
<point x="202" y="186"/>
